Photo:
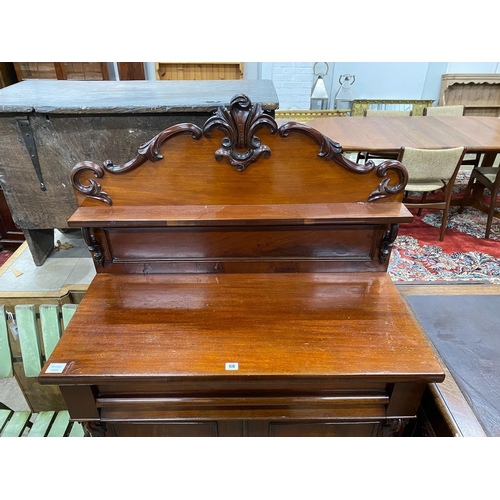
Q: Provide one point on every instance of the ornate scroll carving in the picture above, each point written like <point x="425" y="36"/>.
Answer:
<point x="331" y="150"/>
<point x="93" y="245"/>
<point x="384" y="189"/>
<point x="96" y="429"/>
<point x="93" y="190"/>
<point x="387" y="242"/>
<point x="240" y="122"/>
<point x="151" y="150"/>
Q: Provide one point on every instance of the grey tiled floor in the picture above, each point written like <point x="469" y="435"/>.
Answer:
<point x="73" y="266"/>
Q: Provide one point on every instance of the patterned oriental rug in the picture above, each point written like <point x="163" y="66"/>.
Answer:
<point x="463" y="256"/>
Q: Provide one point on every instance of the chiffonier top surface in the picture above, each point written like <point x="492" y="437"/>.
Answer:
<point x="344" y="325"/>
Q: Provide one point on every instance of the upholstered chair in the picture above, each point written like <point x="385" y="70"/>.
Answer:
<point x="431" y="170"/>
<point x="444" y="111"/>
<point x="485" y="178"/>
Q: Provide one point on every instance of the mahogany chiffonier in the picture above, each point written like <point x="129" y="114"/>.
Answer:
<point x="241" y="289"/>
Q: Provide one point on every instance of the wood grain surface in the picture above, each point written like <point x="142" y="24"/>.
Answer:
<point x="375" y="133"/>
<point x="145" y="327"/>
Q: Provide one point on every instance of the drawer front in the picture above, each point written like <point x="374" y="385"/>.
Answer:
<point x="331" y="242"/>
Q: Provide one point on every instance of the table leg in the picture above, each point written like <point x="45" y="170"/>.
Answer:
<point x="488" y="159"/>
<point x="40" y="242"/>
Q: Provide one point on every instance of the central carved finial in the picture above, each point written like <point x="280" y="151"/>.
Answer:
<point x="240" y="122"/>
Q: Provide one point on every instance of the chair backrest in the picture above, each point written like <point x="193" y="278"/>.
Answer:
<point x="445" y="111"/>
<point x="386" y="112"/>
<point x="432" y="164"/>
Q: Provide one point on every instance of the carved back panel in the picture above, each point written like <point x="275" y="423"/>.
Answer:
<point x="239" y="195"/>
<point x="240" y="157"/>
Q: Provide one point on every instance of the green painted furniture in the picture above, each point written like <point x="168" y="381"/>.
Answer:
<point x="37" y="339"/>
<point x="38" y="334"/>
<point x="44" y="424"/>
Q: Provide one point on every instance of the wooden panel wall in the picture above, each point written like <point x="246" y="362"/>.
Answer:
<point x="199" y="71"/>
<point x="61" y="71"/>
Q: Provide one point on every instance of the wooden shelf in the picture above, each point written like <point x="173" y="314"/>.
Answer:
<point x="479" y="93"/>
<point x="223" y="215"/>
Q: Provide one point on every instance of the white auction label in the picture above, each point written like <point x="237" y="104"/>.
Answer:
<point x="231" y="366"/>
<point x="55" y="368"/>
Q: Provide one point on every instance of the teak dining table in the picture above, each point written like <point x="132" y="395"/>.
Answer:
<point x="375" y="134"/>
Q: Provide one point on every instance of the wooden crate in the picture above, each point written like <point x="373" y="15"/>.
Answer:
<point x="61" y="71"/>
<point x="199" y="71"/>
<point x="479" y="93"/>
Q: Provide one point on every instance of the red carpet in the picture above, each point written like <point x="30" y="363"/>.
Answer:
<point x="465" y="237"/>
<point x="463" y="256"/>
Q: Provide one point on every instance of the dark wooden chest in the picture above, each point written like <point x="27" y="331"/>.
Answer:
<point x="46" y="127"/>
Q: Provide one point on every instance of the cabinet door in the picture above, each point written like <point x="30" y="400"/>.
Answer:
<point x="183" y="429"/>
<point x="227" y="428"/>
<point x="313" y="429"/>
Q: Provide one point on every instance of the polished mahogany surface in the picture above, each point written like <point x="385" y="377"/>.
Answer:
<point x="232" y="215"/>
<point x="343" y="325"/>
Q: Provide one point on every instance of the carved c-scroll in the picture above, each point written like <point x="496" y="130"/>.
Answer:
<point x="240" y="122"/>
<point x="94" y="189"/>
<point x="384" y="189"/>
<point x="331" y="150"/>
<point x="151" y="150"/>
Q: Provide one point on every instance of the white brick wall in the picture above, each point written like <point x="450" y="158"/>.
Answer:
<point x="293" y="82"/>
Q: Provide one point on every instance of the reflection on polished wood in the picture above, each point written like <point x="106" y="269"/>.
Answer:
<point x="242" y="294"/>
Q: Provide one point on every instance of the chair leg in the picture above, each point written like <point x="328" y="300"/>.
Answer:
<point x="491" y="211"/>
<point x="360" y="156"/>
<point x="466" y="194"/>
<point x="424" y="196"/>
<point x="446" y="211"/>
<point x="473" y="193"/>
